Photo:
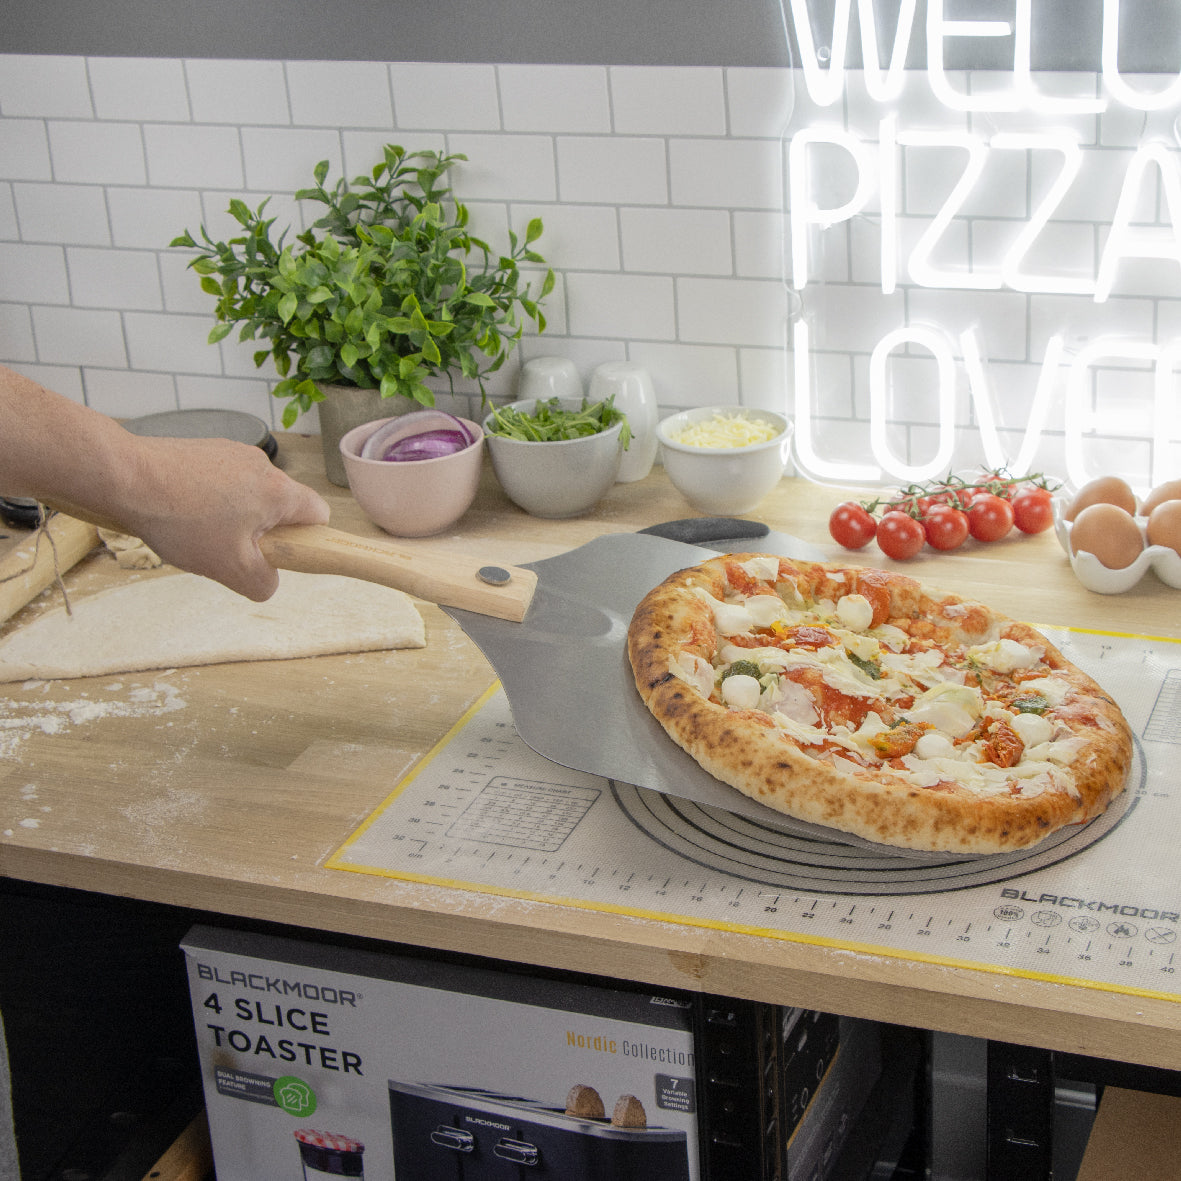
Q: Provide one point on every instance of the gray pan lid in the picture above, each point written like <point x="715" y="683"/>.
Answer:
<point x="204" y="424"/>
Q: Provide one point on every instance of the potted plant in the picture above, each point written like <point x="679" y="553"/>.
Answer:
<point x="386" y="289"/>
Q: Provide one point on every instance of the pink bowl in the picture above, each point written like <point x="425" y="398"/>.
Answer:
<point x="418" y="497"/>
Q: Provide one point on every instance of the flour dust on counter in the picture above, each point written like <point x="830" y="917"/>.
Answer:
<point x="22" y="718"/>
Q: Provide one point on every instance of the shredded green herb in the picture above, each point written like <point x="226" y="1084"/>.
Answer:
<point x="550" y="423"/>
<point x="870" y="667"/>
<point x="1030" y="703"/>
<point x="743" y="668"/>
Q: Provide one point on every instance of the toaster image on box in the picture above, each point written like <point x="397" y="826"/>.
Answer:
<point x="451" y="1133"/>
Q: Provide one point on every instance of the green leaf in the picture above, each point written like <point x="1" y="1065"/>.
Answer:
<point x="219" y="332"/>
<point x="387" y="286"/>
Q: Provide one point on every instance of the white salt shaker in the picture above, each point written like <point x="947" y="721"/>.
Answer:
<point x="631" y="386"/>
<point x="549" y="377"/>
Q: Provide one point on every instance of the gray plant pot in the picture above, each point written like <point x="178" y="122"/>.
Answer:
<point x="343" y="408"/>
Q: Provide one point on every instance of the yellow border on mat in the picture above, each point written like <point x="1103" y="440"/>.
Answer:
<point x="333" y="862"/>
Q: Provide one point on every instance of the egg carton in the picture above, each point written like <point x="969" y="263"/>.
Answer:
<point x="1163" y="561"/>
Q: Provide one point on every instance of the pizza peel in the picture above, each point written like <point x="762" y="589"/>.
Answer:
<point x="566" y="675"/>
<point x="555" y="633"/>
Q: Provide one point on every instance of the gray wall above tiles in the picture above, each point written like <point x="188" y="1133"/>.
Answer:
<point x="1066" y="33"/>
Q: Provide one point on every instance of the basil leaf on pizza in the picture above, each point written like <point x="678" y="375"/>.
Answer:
<point x="861" y="700"/>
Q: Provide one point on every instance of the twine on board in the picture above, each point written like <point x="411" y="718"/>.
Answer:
<point x="42" y="532"/>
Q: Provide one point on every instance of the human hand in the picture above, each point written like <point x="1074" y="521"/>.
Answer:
<point x="203" y="505"/>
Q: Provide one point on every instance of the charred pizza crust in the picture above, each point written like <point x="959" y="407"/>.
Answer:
<point x="675" y="632"/>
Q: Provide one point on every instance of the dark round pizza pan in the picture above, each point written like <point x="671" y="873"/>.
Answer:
<point x="206" y="424"/>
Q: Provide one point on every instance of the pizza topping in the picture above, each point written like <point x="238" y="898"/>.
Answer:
<point x="1002" y="745"/>
<point x="1033" y="729"/>
<point x="694" y="671"/>
<point x="909" y="697"/>
<point x="1003" y="656"/>
<point x="898" y="740"/>
<point x="1029" y="703"/>
<point x="746" y="668"/>
<point x="741" y="691"/>
<point x="855" y="612"/>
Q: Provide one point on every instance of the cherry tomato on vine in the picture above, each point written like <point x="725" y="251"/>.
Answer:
<point x="946" y="527"/>
<point x="851" y="526"/>
<point x="990" y="517"/>
<point x="899" y="535"/>
<point x="1033" y="510"/>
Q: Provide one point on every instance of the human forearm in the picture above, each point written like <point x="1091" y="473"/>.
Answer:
<point x="61" y="453"/>
<point x="202" y="504"/>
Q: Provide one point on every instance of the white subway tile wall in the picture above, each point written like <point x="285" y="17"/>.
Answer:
<point x="665" y="195"/>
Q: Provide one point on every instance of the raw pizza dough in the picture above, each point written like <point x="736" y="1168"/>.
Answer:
<point x="183" y="619"/>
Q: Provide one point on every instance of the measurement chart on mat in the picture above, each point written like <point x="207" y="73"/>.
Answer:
<point x="1102" y="906"/>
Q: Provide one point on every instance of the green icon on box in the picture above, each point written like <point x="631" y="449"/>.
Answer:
<point x="294" y="1096"/>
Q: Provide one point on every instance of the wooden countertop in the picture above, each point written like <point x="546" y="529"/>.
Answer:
<point x="232" y="801"/>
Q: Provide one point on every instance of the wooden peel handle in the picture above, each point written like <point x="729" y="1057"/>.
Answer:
<point x="445" y="579"/>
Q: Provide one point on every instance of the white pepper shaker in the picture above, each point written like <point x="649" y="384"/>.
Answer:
<point x="631" y="386"/>
<point x="549" y="377"/>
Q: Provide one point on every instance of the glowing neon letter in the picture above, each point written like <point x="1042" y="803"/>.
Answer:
<point x="825" y="86"/>
<point x="805" y="447"/>
<point x="921" y="270"/>
<point x="1039" y="410"/>
<point x="937" y="30"/>
<point x="804" y="211"/>
<point x="884" y="87"/>
<point x="1033" y="99"/>
<point x="879" y="388"/>
<point x="888" y="201"/>
<point x="1147" y="241"/>
<point x="1166" y="414"/>
<point x="1138" y="100"/>
<point x="1078" y="410"/>
<point x="1072" y="162"/>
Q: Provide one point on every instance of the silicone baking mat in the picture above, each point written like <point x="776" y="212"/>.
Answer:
<point x="1099" y="907"/>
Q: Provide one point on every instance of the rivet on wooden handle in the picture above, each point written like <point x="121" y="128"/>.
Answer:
<point x="445" y="579"/>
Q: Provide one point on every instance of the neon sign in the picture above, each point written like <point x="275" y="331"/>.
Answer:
<point x="979" y="126"/>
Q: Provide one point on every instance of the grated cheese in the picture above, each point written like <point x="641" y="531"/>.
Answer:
<point x="726" y="430"/>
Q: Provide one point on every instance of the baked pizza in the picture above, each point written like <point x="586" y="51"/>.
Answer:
<point x="858" y="699"/>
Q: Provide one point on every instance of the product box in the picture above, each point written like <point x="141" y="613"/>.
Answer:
<point x="818" y="1071"/>
<point x="322" y="1061"/>
<point x="813" y="1145"/>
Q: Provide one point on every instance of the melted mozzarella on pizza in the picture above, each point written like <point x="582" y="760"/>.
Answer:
<point x="875" y="698"/>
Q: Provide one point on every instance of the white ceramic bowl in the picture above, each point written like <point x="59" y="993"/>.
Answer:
<point x="723" y="481"/>
<point x="418" y="497"/>
<point x="563" y="478"/>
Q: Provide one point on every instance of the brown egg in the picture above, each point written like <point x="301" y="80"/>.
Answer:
<point x="1164" y="525"/>
<point x="1110" y="533"/>
<point x="1104" y="490"/>
<point x="1162" y="492"/>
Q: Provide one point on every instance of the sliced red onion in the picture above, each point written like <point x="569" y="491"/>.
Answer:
<point x="415" y="423"/>
<point x="426" y="445"/>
